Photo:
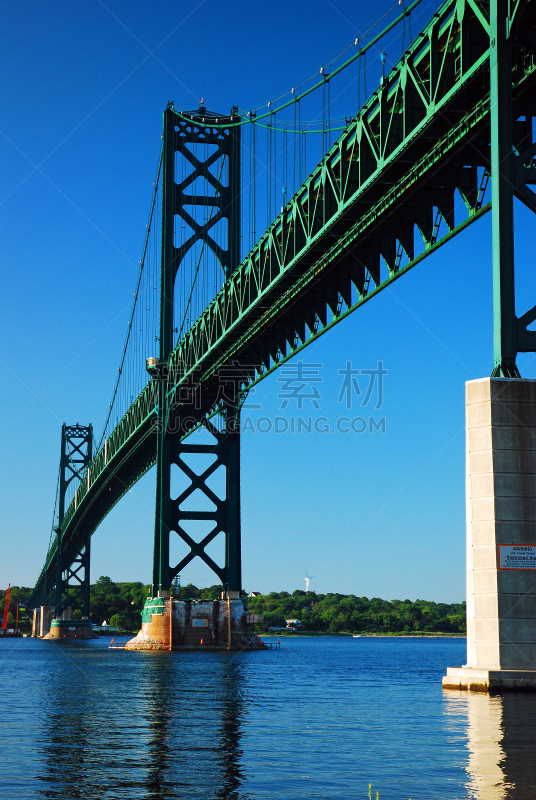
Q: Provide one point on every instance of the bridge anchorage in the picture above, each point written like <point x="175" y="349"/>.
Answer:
<point x="409" y="172"/>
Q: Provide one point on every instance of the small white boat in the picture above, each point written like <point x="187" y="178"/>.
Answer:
<point x="356" y="636"/>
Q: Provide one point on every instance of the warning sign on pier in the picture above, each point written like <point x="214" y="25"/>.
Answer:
<point x="517" y="556"/>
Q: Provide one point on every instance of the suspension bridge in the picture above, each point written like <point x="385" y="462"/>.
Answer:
<point x="267" y="227"/>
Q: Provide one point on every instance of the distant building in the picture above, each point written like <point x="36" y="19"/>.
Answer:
<point x="293" y="623"/>
<point x="105" y="627"/>
<point x="254" y="594"/>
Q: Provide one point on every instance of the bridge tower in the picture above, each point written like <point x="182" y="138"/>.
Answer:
<point x="69" y="586"/>
<point x="182" y="133"/>
<point x="76" y="455"/>
<point x="72" y="568"/>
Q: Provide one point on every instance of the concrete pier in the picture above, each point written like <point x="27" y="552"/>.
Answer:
<point x="36" y="622"/>
<point x="41" y="620"/>
<point x="501" y="537"/>
<point x="49" y="627"/>
<point x="170" y="624"/>
<point x="71" y="629"/>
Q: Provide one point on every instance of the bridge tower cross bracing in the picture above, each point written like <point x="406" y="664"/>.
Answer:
<point x="511" y="170"/>
<point x="181" y="135"/>
<point x="76" y="456"/>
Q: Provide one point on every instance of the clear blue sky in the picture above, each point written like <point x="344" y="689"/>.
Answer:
<point x="83" y="90"/>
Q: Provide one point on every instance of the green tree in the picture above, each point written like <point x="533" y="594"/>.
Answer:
<point x="331" y="612"/>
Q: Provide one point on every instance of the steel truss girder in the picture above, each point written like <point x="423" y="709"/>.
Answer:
<point x="446" y="125"/>
<point x="418" y="132"/>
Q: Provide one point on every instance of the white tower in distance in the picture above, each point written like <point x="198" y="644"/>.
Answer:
<point x="307" y="580"/>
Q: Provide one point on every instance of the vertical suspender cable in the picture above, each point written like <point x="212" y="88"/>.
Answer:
<point x="294" y="154"/>
<point x="300" y="145"/>
<point x="324" y="116"/>
<point x="275" y="169"/>
<point x="267" y="175"/>
<point x="250" y="196"/>
<point x="271" y="172"/>
<point x="329" y="113"/>
<point x="284" y="168"/>
<point x="358" y="84"/>
<point x="305" y="150"/>
<point x="254" y="182"/>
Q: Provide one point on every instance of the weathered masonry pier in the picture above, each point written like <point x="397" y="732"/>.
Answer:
<point x="47" y="625"/>
<point x="171" y="624"/>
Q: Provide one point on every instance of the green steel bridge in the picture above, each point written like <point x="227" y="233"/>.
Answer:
<point x="452" y="118"/>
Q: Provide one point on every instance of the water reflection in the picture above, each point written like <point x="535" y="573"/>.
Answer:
<point x="158" y="705"/>
<point x="232" y="714"/>
<point x="147" y="725"/>
<point x="501" y="739"/>
<point x="321" y="720"/>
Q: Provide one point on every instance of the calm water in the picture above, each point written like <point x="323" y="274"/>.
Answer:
<point x="321" y="718"/>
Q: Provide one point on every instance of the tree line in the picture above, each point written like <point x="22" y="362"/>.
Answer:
<point x="121" y="604"/>
<point x="337" y="613"/>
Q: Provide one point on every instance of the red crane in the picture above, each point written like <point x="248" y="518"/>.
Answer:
<point x="6" y="607"/>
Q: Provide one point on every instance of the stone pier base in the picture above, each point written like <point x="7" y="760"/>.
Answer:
<point x="169" y="624"/>
<point x="501" y="537"/>
<point x="489" y="680"/>
<point x="42" y="618"/>
<point x="36" y="622"/>
<point x="71" y="629"/>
